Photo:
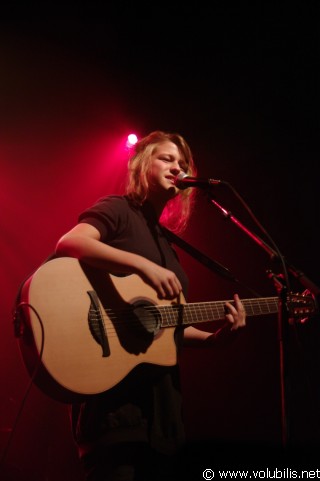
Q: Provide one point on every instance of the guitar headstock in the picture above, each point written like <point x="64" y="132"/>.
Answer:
<point x="301" y="306"/>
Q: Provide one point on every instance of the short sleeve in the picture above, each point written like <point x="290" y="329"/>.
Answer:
<point x="108" y="215"/>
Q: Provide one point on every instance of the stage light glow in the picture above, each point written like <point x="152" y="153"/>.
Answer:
<point x="132" y="140"/>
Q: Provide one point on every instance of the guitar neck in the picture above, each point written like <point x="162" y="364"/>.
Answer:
<point x="194" y="313"/>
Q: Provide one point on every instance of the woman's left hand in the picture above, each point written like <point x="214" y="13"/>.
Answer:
<point x="235" y="313"/>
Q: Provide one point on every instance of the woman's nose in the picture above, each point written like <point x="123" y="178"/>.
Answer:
<point x="175" y="168"/>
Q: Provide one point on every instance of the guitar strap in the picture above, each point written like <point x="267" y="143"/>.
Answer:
<point x="204" y="259"/>
<point x="199" y="256"/>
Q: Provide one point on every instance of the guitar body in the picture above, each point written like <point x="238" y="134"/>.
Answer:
<point x="76" y="334"/>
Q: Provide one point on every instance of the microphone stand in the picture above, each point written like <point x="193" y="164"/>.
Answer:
<point x="283" y="319"/>
<point x="298" y="274"/>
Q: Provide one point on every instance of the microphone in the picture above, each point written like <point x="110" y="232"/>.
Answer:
<point x="183" y="181"/>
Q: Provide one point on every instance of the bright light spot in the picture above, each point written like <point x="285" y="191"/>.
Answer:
<point x="132" y="140"/>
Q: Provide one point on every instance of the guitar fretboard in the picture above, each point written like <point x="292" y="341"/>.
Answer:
<point x="193" y="313"/>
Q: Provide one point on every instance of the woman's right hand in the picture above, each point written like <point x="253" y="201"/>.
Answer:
<point x="164" y="282"/>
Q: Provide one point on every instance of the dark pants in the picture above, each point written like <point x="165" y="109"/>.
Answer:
<point x="130" y="462"/>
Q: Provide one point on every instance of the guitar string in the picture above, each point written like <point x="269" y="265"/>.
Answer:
<point x="123" y="316"/>
<point x="172" y="313"/>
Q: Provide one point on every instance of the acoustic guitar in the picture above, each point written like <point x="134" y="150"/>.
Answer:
<point x="84" y="330"/>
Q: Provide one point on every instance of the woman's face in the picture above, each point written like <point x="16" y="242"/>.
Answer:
<point x="166" y="163"/>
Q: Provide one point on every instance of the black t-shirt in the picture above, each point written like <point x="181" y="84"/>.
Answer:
<point x="146" y="405"/>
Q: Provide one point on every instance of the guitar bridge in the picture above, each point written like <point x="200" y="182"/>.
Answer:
<point x="96" y="324"/>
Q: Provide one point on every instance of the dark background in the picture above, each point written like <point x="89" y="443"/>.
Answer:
<point x="241" y="84"/>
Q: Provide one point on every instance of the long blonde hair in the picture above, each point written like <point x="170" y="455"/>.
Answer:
<point x="177" y="211"/>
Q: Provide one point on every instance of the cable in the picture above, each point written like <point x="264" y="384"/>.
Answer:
<point x="17" y="320"/>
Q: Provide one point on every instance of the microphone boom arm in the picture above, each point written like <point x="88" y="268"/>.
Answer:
<point x="298" y="274"/>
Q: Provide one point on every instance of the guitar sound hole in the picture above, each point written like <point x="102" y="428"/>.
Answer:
<point x="148" y="319"/>
<point x="136" y="328"/>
